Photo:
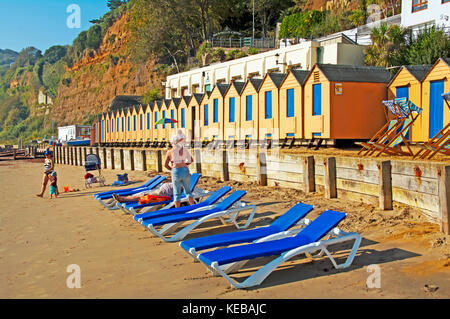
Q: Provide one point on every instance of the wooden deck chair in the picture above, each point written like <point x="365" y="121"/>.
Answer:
<point x="409" y="112"/>
<point x="387" y="132"/>
<point x="440" y="143"/>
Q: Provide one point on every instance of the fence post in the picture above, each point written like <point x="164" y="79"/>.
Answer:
<point x="159" y="166"/>
<point x="105" y="165"/>
<point x="80" y="155"/>
<point x="309" y="172"/>
<point x="261" y="168"/>
<point x="444" y="199"/>
<point x="75" y="155"/>
<point x="225" y="173"/>
<point x="330" y="178"/>
<point x="122" y="164"/>
<point x="385" y="185"/>
<point x="198" y="161"/>
<point x="131" y="159"/>
<point x="144" y="160"/>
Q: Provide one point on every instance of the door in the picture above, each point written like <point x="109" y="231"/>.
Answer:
<point x="193" y="122"/>
<point x="436" y="107"/>
<point x="317" y="99"/>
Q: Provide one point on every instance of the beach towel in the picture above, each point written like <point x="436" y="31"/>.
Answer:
<point x="147" y="199"/>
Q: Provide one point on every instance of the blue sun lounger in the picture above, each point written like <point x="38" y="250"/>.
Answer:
<point x="292" y="217"/>
<point x="110" y="203"/>
<point x="134" y="207"/>
<point x="230" y="207"/>
<point x="207" y="203"/>
<point x="308" y="240"/>
<point x="108" y="194"/>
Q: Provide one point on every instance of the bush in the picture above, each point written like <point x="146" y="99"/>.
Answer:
<point x="300" y="24"/>
<point x="427" y="46"/>
<point x="151" y="95"/>
<point x="94" y="37"/>
<point x="252" y="51"/>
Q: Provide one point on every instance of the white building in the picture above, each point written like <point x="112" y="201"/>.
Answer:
<point x="419" y="13"/>
<point x="336" y="49"/>
<point x="67" y="133"/>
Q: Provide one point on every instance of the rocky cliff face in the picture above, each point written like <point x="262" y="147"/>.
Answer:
<point x="90" y="85"/>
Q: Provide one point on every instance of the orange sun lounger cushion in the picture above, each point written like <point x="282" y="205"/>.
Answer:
<point x="147" y="199"/>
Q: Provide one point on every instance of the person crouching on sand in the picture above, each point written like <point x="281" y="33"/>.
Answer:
<point x="49" y="166"/>
<point x="53" y="185"/>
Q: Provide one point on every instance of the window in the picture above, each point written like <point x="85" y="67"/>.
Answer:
<point x="418" y="5"/>
<point x="156" y="120"/>
<point x="183" y="124"/>
<point x="172" y="115"/>
<point x="248" y="107"/>
<point x="268" y="104"/>
<point x="216" y="111"/>
<point x="232" y="109"/>
<point x="290" y="111"/>
<point x="205" y="122"/>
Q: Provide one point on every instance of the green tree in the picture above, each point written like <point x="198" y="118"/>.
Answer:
<point x="427" y="46"/>
<point x="388" y="46"/>
<point x="151" y="95"/>
<point x="55" y="53"/>
<point x="94" y="37"/>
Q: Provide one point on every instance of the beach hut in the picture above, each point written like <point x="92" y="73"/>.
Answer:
<point x="156" y="116"/>
<point x="120" y="122"/>
<point x="291" y="105"/>
<point x="182" y="115"/>
<point x="172" y="113"/>
<point x="407" y="82"/>
<point x="216" y="113"/>
<point x="128" y="131"/>
<point x="164" y="129"/>
<point x="148" y="122"/>
<point x="140" y="124"/>
<point x="193" y="123"/>
<point x="232" y="111"/>
<point x="205" y="111"/>
<point x="344" y="101"/>
<point x="435" y="113"/>
<point x="103" y="128"/>
<point x="134" y="123"/>
<point x="113" y="125"/>
<point x="249" y="110"/>
<point x="269" y="106"/>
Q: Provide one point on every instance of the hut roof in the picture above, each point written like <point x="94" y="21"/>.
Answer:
<point x="256" y="83"/>
<point x="300" y="75"/>
<point x="277" y="78"/>
<point x="418" y="71"/>
<point x="352" y="73"/>
<point x="122" y="101"/>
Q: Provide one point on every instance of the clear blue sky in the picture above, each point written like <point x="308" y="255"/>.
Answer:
<point x="42" y="23"/>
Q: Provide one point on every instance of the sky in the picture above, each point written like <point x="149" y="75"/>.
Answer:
<point x="43" y="23"/>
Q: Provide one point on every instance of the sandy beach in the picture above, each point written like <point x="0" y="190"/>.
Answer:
<point x="118" y="258"/>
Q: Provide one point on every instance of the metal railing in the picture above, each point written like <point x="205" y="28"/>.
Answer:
<point x="261" y="43"/>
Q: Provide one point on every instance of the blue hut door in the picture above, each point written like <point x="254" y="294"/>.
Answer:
<point x="317" y="99"/>
<point x="436" y="107"/>
<point x="403" y="91"/>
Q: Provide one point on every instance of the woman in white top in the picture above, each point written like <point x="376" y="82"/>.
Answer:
<point x="177" y="161"/>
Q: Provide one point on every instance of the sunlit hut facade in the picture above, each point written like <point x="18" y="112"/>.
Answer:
<point x="134" y="122"/>
<point x="193" y="123"/>
<point x="435" y="112"/>
<point x="205" y="111"/>
<point x="122" y="119"/>
<point x="114" y="126"/>
<point x="407" y="82"/>
<point x="344" y="101"/>
<point x="182" y="115"/>
<point x="163" y="129"/>
<point x="173" y="114"/>
<point x="108" y="132"/>
<point x="216" y="114"/>
<point x="140" y="124"/>
<point x="232" y="111"/>
<point x="102" y="128"/>
<point x="157" y="129"/>
<point x="291" y="104"/>
<point x="147" y="131"/>
<point x="249" y="110"/>
<point x="269" y="106"/>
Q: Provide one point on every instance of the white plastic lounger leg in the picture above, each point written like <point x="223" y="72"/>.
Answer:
<point x="259" y="276"/>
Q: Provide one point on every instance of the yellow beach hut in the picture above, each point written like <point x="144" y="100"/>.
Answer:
<point x="344" y="101"/>
<point x="148" y="122"/>
<point x="269" y="106"/>
<point x="292" y="105"/>
<point x="128" y="128"/>
<point x="435" y="112"/>
<point x="216" y="113"/>
<point x="232" y="111"/>
<point x="193" y="122"/>
<point x="156" y="116"/>
<point x="173" y="114"/>
<point x="182" y="114"/>
<point x="407" y="82"/>
<point x="250" y="110"/>
<point x="205" y="111"/>
<point x="121" y="132"/>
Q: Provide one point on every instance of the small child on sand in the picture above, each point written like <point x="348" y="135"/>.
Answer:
<point x="53" y="185"/>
